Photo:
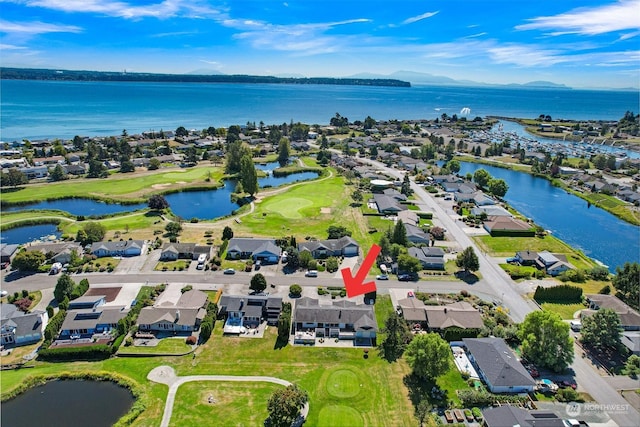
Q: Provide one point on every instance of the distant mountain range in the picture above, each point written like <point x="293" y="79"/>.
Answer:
<point x="415" y="77"/>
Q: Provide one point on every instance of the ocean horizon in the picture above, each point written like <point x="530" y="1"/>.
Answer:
<point x="63" y="109"/>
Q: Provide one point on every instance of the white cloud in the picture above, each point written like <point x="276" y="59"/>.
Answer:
<point x="525" y="55"/>
<point x="419" y="17"/>
<point x="619" y="16"/>
<point x="163" y="9"/>
<point x="4" y="46"/>
<point x="36" y="27"/>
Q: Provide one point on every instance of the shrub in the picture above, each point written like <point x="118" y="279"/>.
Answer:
<point x="606" y="290"/>
<point x="25" y="293"/>
<point x="186" y="289"/>
<point x="94" y="352"/>
<point x="23" y="304"/>
<point x="568" y="395"/>
<point x="50" y="312"/>
<point x="128" y="342"/>
<point x="561" y="294"/>
<point x="191" y="340"/>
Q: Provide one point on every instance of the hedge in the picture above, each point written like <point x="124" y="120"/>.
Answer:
<point x="425" y="215"/>
<point x="456" y="334"/>
<point x="513" y="233"/>
<point x="558" y="294"/>
<point x="53" y="327"/>
<point x="93" y="352"/>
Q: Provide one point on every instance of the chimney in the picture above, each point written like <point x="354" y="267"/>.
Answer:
<point x="177" y="315"/>
<point x="445" y="309"/>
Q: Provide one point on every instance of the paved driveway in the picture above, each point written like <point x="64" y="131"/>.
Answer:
<point x="171" y="294"/>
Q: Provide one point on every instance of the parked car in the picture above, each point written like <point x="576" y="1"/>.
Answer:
<point x="229" y="271"/>
<point x="410" y="294"/>
<point x="405" y="277"/>
<point x="311" y="273"/>
<point x="576" y="325"/>
<point x="567" y="384"/>
<point x="512" y="260"/>
<point x="382" y="277"/>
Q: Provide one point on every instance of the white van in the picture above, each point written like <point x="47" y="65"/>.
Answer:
<point x="202" y="258"/>
<point x="576" y="325"/>
<point x="311" y="273"/>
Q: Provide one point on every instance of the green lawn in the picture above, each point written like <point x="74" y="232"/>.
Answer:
<point x="165" y="346"/>
<point x="238" y="404"/>
<point x="381" y="400"/>
<point x="564" y="310"/>
<point x="119" y="187"/>
<point x="179" y="265"/>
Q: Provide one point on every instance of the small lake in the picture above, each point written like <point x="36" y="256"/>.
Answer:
<point x="599" y="234"/>
<point x="21" y="235"/>
<point x="201" y="204"/>
<point x="69" y="403"/>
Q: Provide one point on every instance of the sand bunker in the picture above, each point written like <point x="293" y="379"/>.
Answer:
<point x="325" y="210"/>
<point x="161" y="185"/>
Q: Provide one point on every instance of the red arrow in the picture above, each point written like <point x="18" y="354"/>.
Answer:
<point x="355" y="285"/>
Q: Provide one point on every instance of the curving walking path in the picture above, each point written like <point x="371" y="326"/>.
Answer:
<point x="166" y="375"/>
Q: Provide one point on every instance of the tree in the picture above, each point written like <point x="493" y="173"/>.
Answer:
<point x="337" y="231"/>
<point x="409" y="264"/>
<point x="422" y="411"/>
<point x="397" y="336"/>
<point x="357" y="196"/>
<point x="28" y="260"/>
<point x="428" y="355"/>
<point x="454" y="166"/>
<point x="399" y="235"/>
<point x="299" y="132"/>
<point x="91" y="232"/>
<point x="58" y="173"/>
<point x="258" y="283"/>
<point x="305" y="259"/>
<point x="332" y="264"/>
<point x="284" y="151"/>
<point x="627" y="282"/>
<point x="97" y="169"/>
<point x="157" y="202"/>
<point x="154" y="164"/>
<point x="227" y="233"/>
<point x="284" y="405"/>
<point x="406" y="185"/>
<point x="173" y="228"/>
<point x="498" y="187"/>
<point x="248" y="175"/>
<point x="369" y="123"/>
<point x="481" y="177"/>
<point x="293" y="259"/>
<point x="126" y="166"/>
<point x="181" y="131"/>
<point x="546" y="341"/>
<point x="295" y="290"/>
<point x="602" y="329"/>
<point x="64" y="287"/>
<point x="13" y="178"/>
<point x="468" y="260"/>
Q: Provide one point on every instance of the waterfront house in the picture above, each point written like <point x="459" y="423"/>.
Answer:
<point x="629" y="318"/>
<point x="118" y="248"/>
<point x="344" y="246"/>
<point x="185" y="315"/>
<point x="174" y="251"/>
<point x="248" y="311"/>
<point x="498" y="366"/>
<point x="18" y="328"/>
<point x="526" y="257"/>
<point x="57" y="252"/>
<point x="342" y="320"/>
<point x="264" y="250"/>
<point x="503" y="225"/>
<point x="431" y="258"/>
<point x="553" y="264"/>
<point x="7" y="252"/>
<point x="490" y="210"/>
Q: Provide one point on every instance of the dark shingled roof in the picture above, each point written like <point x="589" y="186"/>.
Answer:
<point x="498" y="363"/>
<point x="308" y="310"/>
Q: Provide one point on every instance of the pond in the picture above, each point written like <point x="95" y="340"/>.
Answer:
<point x="69" y="403"/>
<point x="21" y="235"/>
<point x="201" y="204"/>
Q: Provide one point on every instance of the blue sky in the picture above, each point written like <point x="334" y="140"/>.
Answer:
<point x="578" y="43"/>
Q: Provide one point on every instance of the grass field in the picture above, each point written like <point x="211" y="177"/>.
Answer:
<point x="119" y="187"/>
<point x="381" y="400"/>
<point x="565" y="311"/>
<point x="165" y="346"/>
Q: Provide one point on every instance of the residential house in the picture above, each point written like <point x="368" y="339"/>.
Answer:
<point x="75" y="169"/>
<point x="184" y="315"/>
<point x="413" y="311"/>
<point x="554" y="264"/>
<point x="7" y="252"/>
<point x="456" y="315"/>
<point x="631" y="340"/>
<point x="35" y="172"/>
<point x="498" y="225"/>
<point x="458" y="187"/>
<point x="509" y="416"/>
<point x="387" y="204"/>
<point x="173" y="251"/>
<point x="498" y="366"/>
<point x="392" y="192"/>
<point x="490" y="210"/>
<point x="264" y="250"/>
<point x="409" y="218"/>
<point x="416" y="235"/>
<point x="84" y="323"/>
<point x="48" y="161"/>
<point x="117" y="248"/>
<point x="431" y="257"/>
<point x="88" y="301"/>
<point x="248" y="311"/>
<point x="18" y="328"/>
<point x="629" y="318"/>
<point x="344" y="246"/>
<point x="58" y="252"/>
<point x="527" y="257"/>
<point x="344" y="320"/>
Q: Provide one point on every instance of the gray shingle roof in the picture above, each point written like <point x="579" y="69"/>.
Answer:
<point x="498" y="363"/>
<point x="360" y="316"/>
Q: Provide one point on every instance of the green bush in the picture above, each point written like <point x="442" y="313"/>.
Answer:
<point x="295" y="290"/>
<point x="558" y="294"/>
<point x="94" y="352"/>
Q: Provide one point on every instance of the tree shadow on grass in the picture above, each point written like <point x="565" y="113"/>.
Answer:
<point x="421" y="390"/>
<point x="467" y="277"/>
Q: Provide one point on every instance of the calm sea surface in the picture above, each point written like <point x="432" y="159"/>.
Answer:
<point x="49" y="109"/>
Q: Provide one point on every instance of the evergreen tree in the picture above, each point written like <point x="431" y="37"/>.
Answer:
<point x="248" y="175"/>
<point x="468" y="260"/>
<point x="602" y="329"/>
<point x="284" y="151"/>
<point x="400" y="234"/>
<point x="396" y="339"/>
<point x="406" y="185"/>
<point x="58" y="173"/>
